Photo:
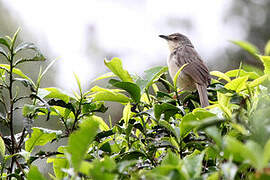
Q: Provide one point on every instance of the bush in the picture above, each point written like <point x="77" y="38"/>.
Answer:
<point x="158" y="136"/>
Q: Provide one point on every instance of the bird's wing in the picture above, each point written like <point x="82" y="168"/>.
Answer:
<point x="196" y="69"/>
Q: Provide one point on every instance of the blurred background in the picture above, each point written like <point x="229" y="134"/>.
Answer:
<point x="80" y="34"/>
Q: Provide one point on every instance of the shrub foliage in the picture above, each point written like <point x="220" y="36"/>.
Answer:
<point x="163" y="133"/>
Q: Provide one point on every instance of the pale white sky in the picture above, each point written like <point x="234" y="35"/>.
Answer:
<point x="127" y="27"/>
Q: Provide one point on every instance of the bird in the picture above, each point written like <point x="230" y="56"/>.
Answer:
<point x="195" y="75"/>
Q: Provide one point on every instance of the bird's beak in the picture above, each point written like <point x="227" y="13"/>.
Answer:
<point x="164" y="37"/>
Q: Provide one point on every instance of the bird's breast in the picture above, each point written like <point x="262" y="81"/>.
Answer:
<point x="184" y="81"/>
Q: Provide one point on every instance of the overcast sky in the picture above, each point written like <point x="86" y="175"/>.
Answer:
<point x="129" y="28"/>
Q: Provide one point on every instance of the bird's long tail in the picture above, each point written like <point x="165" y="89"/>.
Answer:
<point x="202" y="89"/>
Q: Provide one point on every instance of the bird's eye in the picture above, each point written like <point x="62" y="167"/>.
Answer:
<point x="175" y="38"/>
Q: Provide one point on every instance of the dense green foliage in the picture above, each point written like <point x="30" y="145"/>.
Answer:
<point x="158" y="137"/>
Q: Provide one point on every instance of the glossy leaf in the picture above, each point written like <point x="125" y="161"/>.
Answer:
<point x="169" y="127"/>
<point x="171" y="159"/>
<point x="17" y="72"/>
<point x="187" y="123"/>
<point x="151" y="75"/>
<point x="102" y="125"/>
<point x="80" y="140"/>
<point x="115" y="65"/>
<point x="241" y="73"/>
<point x="105" y="76"/>
<point x="177" y="75"/>
<point x="131" y="88"/>
<point x="258" y="81"/>
<point x="221" y="75"/>
<point x="4" y="42"/>
<point x="102" y="94"/>
<point x="59" y="163"/>
<point x="237" y="84"/>
<point x="37" y="57"/>
<point x="164" y="108"/>
<point x="127" y="114"/>
<point x="53" y="93"/>
<point x="25" y="46"/>
<point x="103" y="169"/>
<point x="132" y="155"/>
<point x="40" y="137"/>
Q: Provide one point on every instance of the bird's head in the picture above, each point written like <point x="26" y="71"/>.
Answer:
<point x="176" y="40"/>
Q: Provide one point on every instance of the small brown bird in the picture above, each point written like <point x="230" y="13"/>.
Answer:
<point x="195" y="74"/>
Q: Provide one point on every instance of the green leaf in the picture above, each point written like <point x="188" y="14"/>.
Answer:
<point x="78" y="83"/>
<point x="127" y="114"/>
<point x="80" y="140"/>
<point x="59" y="162"/>
<point x="46" y="69"/>
<point x="187" y="123"/>
<point x="26" y="45"/>
<point x="2" y="147"/>
<point x="150" y="76"/>
<point x="132" y="155"/>
<point x="266" y="63"/>
<point x="102" y="94"/>
<point x="3" y="52"/>
<point x="34" y="174"/>
<point x="4" y="42"/>
<point x="258" y="81"/>
<point x="153" y="74"/>
<point x="220" y="75"/>
<point x="115" y="65"/>
<point x="267" y="48"/>
<point x="177" y="74"/>
<point x="102" y="125"/>
<point x="37" y="57"/>
<point x="237" y="84"/>
<point x="131" y="88"/>
<point x="171" y="159"/>
<point x="16" y="71"/>
<point x="241" y="73"/>
<point x="193" y="164"/>
<point x="40" y="137"/>
<point x="234" y="148"/>
<point x="29" y="110"/>
<point x="103" y="169"/>
<point x="104" y="76"/>
<point x="53" y="92"/>
<point x="215" y="134"/>
<point x="169" y="127"/>
<point x="253" y="50"/>
<point x="165" y="108"/>
<point x="14" y="38"/>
